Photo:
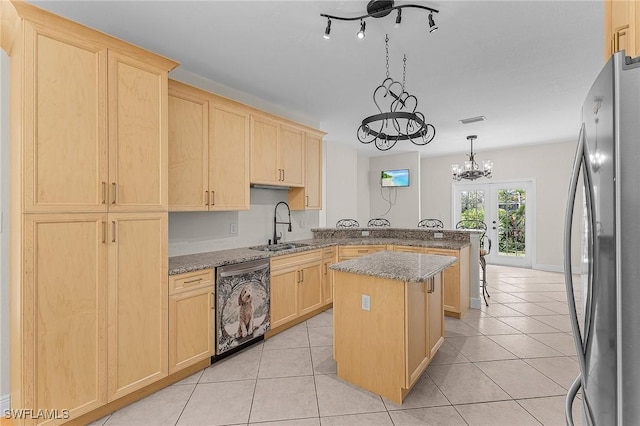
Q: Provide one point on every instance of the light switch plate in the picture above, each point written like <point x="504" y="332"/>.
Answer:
<point x="233" y="228"/>
<point x="366" y="302"/>
<point x="365" y="233"/>
<point x="438" y="235"/>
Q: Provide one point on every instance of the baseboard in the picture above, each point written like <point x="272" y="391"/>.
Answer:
<point x="476" y="303"/>
<point x="5" y="403"/>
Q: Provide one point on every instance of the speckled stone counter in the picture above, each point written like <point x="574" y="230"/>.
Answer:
<point x="453" y="240"/>
<point x="401" y="266"/>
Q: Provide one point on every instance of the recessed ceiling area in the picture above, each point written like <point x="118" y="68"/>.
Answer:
<point x="525" y="65"/>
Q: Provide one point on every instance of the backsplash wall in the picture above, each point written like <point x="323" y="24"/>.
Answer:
<point x="198" y="232"/>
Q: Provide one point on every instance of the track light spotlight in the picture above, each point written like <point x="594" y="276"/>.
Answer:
<point x="432" y="25"/>
<point x="380" y="9"/>
<point x="327" y="30"/>
<point x="361" y="32"/>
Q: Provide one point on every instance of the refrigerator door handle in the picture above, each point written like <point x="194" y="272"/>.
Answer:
<point x="580" y="160"/>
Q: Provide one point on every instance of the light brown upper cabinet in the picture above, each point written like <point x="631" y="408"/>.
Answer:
<point x="622" y="18"/>
<point x="310" y="196"/>
<point x="91" y="142"/>
<point x="208" y="151"/>
<point x="277" y="152"/>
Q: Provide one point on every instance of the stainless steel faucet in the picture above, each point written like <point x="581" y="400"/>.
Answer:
<point x="275" y="221"/>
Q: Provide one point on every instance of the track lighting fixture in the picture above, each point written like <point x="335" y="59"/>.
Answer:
<point x="361" y="32"/>
<point x="432" y="25"/>
<point x="327" y="31"/>
<point x="380" y="9"/>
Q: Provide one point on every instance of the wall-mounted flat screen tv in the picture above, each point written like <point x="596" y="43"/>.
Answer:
<point x="394" y="178"/>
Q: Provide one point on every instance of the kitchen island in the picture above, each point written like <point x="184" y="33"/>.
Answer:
<point x="388" y="319"/>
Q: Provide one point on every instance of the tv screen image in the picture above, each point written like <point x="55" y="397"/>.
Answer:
<point x="394" y="178"/>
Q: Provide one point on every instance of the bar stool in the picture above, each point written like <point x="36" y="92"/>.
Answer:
<point x="485" y="249"/>
<point x="430" y="223"/>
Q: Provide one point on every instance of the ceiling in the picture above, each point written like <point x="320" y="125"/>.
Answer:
<point x="525" y="65"/>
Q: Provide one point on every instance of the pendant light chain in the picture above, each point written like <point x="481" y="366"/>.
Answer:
<point x="386" y="46"/>
<point x="404" y="71"/>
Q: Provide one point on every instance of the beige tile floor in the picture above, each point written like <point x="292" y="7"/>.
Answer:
<point x="510" y="363"/>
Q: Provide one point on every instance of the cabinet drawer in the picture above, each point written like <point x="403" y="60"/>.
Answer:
<point x="328" y="252"/>
<point x="409" y="249"/>
<point x="187" y="281"/>
<point x="445" y="252"/>
<point x="281" y="262"/>
<point x="347" y="252"/>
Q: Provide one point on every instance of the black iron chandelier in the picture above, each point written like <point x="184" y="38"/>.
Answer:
<point x="470" y="170"/>
<point x="399" y="120"/>
<point x="380" y="9"/>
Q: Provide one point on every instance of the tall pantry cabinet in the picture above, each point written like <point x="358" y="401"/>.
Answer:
<point x="88" y="120"/>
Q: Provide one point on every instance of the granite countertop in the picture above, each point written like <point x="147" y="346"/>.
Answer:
<point x="401" y="266"/>
<point x="198" y="261"/>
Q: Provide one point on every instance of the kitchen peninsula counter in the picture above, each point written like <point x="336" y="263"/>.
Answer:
<point x="452" y="240"/>
<point x="388" y="319"/>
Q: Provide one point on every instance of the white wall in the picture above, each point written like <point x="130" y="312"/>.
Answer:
<point x="405" y="211"/>
<point x="363" y="189"/>
<point x="4" y="228"/>
<point x="197" y="232"/>
<point x="549" y="164"/>
<point x="341" y="177"/>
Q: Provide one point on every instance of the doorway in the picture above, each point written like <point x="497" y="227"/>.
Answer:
<point x="508" y="210"/>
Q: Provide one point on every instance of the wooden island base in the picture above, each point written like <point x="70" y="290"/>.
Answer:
<point x="387" y="348"/>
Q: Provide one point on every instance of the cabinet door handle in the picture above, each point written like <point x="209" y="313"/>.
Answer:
<point x="104" y="232"/>
<point x="213" y="198"/>
<point x="279" y="175"/>
<point x="206" y="198"/>
<point x="326" y="269"/>
<point x="283" y="175"/>
<point x="114" y="186"/>
<point x="104" y="192"/>
<point x="114" y="229"/>
<point x="212" y="301"/>
<point x="307" y="200"/>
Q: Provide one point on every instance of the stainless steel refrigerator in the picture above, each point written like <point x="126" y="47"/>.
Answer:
<point x="607" y="332"/>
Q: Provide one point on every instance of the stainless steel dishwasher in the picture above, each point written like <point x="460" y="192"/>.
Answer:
<point x="242" y="305"/>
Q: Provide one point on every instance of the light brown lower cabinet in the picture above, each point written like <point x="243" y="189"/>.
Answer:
<point x="191" y="319"/>
<point x="95" y="309"/>
<point x="396" y="338"/>
<point x="456" y="282"/>
<point x="296" y="286"/>
<point x="328" y="259"/>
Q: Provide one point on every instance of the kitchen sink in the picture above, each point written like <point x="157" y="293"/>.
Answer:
<point x="279" y="247"/>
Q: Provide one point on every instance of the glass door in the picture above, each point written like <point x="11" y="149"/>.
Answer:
<point x="507" y="210"/>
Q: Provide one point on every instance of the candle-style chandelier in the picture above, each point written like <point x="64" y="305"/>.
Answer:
<point x="470" y="169"/>
<point x="398" y="119"/>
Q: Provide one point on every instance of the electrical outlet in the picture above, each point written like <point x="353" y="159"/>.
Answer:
<point x="233" y="228"/>
<point x="438" y="235"/>
<point x="365" y="233"/>
<point x="366" y="302"/>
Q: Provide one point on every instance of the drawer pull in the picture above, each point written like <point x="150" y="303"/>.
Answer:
<point x="193" y="281"/>
<point x="363" y="251"/>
